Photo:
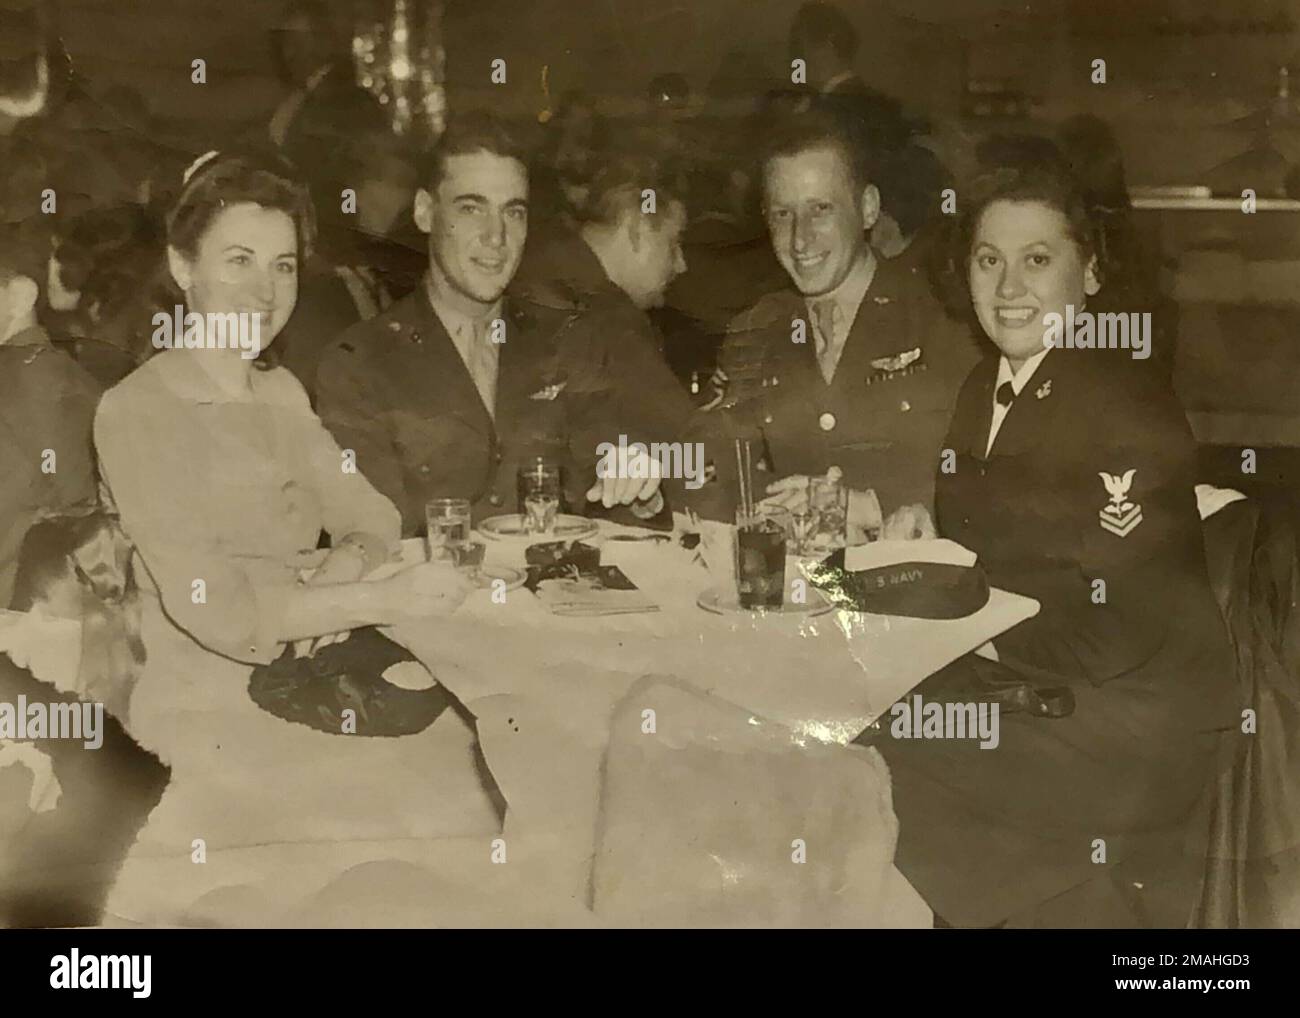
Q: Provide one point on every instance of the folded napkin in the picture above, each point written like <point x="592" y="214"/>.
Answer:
<point x="570" y="580"/>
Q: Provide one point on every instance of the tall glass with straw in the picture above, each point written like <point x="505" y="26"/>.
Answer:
<point x="760" y="544"/>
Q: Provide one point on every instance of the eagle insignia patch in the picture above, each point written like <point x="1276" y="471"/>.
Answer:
<point x="1120" y="517"/>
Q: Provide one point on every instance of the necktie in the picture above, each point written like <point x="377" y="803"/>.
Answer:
<point x="483" y="356"/>
<point x="1005" y="394"/>
<point x="825" y="318"/>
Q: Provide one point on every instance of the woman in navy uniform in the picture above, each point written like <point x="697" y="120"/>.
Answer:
<point x="1071" y="473"/>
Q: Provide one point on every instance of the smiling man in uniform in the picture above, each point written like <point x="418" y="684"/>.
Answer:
<point x="451" y="389"/>
<point x="854" y="365"/>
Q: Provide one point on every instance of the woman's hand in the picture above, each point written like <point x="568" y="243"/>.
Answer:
<point x="425" y="589"/>
<point x="908" y="523"/>
<point x="343" y="564"/>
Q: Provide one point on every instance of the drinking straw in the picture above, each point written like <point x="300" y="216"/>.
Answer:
<point x="749" y="481"/>
<point x="740" y="475"/>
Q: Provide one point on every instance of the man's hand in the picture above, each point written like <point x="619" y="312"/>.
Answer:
<point x="789" y="493"/>
<point x="634" y="477"/>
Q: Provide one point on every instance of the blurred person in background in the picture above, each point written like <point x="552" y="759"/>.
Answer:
<point x="47" y="402"/>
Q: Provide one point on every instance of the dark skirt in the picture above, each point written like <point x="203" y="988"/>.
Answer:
<point x="1088" y="820"/>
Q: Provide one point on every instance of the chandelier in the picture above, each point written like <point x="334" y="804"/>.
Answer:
<point x="398" y="56"/>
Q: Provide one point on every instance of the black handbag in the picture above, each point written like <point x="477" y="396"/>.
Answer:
<point x="317" y="690"/>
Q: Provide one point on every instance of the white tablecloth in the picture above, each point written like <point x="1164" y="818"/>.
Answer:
<point x="560" y="705"/>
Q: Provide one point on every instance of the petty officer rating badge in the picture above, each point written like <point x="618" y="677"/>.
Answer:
<point x="1121" y="516"/>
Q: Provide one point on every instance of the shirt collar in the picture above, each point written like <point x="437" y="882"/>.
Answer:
<point x="459" y="325"/>
<point x="1019" y="379"/>
<point x="849" y="295"/>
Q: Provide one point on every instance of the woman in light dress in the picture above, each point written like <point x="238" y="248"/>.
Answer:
<point x="224" y="480"/>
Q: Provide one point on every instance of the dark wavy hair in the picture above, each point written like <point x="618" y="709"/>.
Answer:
<point x="237" y="179"/>
<point x="227" y="179"/>
<point x="468" y="133"/>
<point x="1043" y="178"/>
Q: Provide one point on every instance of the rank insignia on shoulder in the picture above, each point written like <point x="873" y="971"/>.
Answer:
<point x="1120" y="517"/>
<point x="549" y="392"/>
<point x="1044" y="390"/>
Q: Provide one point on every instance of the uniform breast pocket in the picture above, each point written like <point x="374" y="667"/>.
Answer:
<point x="438" y="439"/>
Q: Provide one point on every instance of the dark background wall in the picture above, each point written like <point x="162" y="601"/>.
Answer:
<point x="1178" y="70"/>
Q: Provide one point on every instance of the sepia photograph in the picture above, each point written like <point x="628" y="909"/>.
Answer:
<point x="595" y="464"/>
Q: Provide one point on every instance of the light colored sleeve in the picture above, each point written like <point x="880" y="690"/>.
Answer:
<point x="352" y="507"/>
<point x="166" y="502"/>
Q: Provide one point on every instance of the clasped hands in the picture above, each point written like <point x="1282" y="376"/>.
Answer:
<point x="863" y="514"/>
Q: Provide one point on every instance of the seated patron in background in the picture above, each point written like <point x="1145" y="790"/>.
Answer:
<point x="47" y="403"/>
<point x="611" y="273"/>
<point x="1073" y="481"/>
<point x="454" y="387"/>
<point x="224" y="478"/>
<point x="853" y="365"/>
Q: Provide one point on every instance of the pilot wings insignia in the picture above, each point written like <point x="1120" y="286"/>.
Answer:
<point x="549" y="392"/>
<point x="1120" y="517"/>
<point x="903" y="363"/>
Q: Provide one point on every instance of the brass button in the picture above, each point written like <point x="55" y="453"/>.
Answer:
<point x="826" y="421"/>
<point x="767" y="419"/>
<point x="424" y="468"/>
<point x="494" y="499"/>
<point x="905" y="406"/>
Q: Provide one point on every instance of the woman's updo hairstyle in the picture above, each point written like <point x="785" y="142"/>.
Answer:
<point x="1037" y="173"/>
<point x="217" y="180"/>
<point x="1017" y="168"/>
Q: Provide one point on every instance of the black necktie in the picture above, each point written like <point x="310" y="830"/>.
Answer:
<point x="1005" y="394"/>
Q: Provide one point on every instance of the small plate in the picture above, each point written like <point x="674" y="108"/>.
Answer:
<point x="726" y="603"/>
<point x="489" y="574"/>
<point x="510" y="527"/>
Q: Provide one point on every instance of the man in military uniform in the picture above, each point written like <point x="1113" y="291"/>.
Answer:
<point x="611" y="272"/>
<point x="455" y="386"/>
<point x="855" y="365"/>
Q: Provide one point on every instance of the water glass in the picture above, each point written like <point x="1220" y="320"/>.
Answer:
<point x="447" y="525"/>
<point x="538" y="484"/>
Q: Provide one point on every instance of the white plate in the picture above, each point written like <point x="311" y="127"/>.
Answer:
<point x="726" y="603"/>
<point x="510" y="527"/>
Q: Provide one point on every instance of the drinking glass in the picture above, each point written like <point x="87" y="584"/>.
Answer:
<point x="446" y="526"/>
<point x="828" y="503"/>
<point x="539" y="494"/>
<point x="760" y="559"/>
<point x="468" y="558"/>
